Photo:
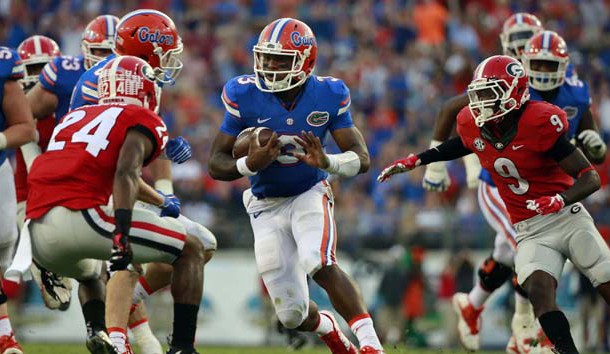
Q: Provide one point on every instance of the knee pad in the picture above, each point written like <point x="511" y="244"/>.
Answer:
<point x="518" y="288"/>
<point x="599" y="274"/>
<point x="291" y="318"/>
<point x="493" y="274"/>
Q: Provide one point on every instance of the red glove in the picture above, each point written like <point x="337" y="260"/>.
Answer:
<point x="546" y="205"/>
<point x="399" y="166"/>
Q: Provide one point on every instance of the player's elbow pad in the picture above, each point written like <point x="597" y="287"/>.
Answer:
<point x="346" y="164"/>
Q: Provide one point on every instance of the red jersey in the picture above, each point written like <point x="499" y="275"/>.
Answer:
<point x="522" y="169"/>
<point x="77" y="170"/>
<point x="45" y="128"/>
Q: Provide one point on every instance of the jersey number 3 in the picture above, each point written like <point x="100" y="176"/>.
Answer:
<point x="507" y="169"/>
<point x="96" y="141"/>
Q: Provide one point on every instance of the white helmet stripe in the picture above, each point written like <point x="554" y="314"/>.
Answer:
<point x="112" y="77"/>
<point x="110" y="26"/>
<point x="546" y="40"/>
<point x="37" y="45"/>
<point x="481" y="67"/>
<point x="519" y="18"/>
<point x="278" y="29"/>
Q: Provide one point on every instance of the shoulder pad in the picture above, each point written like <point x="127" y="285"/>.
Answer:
<point x="339" y="90"/>
<point x="234" y="92"/>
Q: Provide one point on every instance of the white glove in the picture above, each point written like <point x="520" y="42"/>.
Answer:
<point x="473" y="170"/>
<point x="436" y="177"/>
<point x="593" y="142"/>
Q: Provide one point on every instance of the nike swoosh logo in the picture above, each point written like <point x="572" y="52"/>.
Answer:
<point x="256" y="214"/>
<point x="261" y="121"/>
<point x="517" y="147"/>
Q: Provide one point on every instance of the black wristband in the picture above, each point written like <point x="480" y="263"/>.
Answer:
<point x="565" y="199"/>
<point x="122" y="221"/>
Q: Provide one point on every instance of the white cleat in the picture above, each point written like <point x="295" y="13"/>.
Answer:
<point x="524" y="331"/>
<point x="511" y="347"/>
<point x="469" y="321"/>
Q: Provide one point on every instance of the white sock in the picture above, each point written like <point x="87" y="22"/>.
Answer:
<point x="141" y="292"/>
<point x="522" y="305"/>
<point x="478" y="296"/>
<point x="141" y="330"/>
<point x="325" y="326"/>
<point x="118" y="337"/>
<point x="362" y="326"/>
<point x="5" y="326"/>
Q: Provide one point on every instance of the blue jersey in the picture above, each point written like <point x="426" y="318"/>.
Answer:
<point x="59" y="77"/>
<point x="11" y="68"/>
<point x="321" y="107"/>
<point x="573" y="97"/>
<point x="85" y="90"/>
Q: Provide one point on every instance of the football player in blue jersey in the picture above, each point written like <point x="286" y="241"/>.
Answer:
<point x="290" y="203"/>
<point x="16" y="128"/>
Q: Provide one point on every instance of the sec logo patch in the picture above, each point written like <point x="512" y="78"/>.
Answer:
<point x="318" y="119"/>
<point x="479" y="144"/>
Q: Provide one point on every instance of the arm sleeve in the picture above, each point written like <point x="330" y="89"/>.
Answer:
<point x="561" y="149"/>
<point x="232" y="123"/>
<point x="449" y="150"/>
<point x="342" y="117"/>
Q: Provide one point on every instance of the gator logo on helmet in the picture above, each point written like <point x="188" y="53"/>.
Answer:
<point x="145" y="35"/>
<point x="317" y="119"/>
<point x="515" y="69"/>
<point x="299" y="40"/>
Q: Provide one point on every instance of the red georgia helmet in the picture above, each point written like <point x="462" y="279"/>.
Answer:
<point x="516" y="31"/>
<point x="550" y="47"/>
<point x="151" y="35"/>
<point x="36" y="51"/>
<point x="499" y="86"/>
<point x="129" y="80"/>
<point x="99" y="34"/>
<point x="290" y="38"/>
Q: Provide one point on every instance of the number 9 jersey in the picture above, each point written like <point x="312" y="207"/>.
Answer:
<point x="77" y="170"/>
<point x="521" y="169"/>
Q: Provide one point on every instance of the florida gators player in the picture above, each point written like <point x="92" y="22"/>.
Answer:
<point x="290" y="203"/>
<point x="16" y="128"/>
<point x="540" y="176"/>
<point x="102" y="149"/>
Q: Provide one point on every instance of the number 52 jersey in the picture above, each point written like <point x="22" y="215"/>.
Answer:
<point x="77" y="170"/>
<point x="521" y="168"/>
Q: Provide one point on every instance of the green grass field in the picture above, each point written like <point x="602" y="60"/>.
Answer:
<point x="80" y="349"/>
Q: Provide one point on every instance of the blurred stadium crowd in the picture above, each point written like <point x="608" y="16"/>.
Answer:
<point x="401" y="60"/>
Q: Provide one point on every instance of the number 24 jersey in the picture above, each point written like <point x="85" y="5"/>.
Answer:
<point x="522" y="169"/>
<point x="77" y="170"/>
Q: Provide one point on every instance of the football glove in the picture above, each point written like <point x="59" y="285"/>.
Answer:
<point x="592" y="142"/>
<point x="178" y="150"/>
<point x="170" y="206"/>
<point x="436" y="177"/>
<point x="399" y="166"/>
<point x="121" y="255"/>
<point x="546" y="205"/>
<point x="473" y="170"/>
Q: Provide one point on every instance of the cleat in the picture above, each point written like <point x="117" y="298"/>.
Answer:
<point x="525" y="332"/>
<point x="336" y="341"/>
<point x="56" y="290"/>
<point x="370" y="350"/>
<point x="469" y="321"/>
<point x="128" y="350"/>
<point x="181" y="351"/>
<point x="511" y="347"/>
<point x="98" y="342"/>
<point x="9" y="345"/>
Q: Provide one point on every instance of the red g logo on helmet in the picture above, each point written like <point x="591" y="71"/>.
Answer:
<point x="129" y="80"/>
<point x="98" y="38"/>
<point x="152" y="36"/>
<point x="516" y="31"/>
<point x="499" y="86"/>
<point x="284" y="56"/>
<point x="35" y="52"/>
<point x="546" y="59"/>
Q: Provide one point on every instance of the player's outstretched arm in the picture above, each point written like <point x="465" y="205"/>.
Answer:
<point x="436" y="177"/>
<point x="449" y="150"/>
<point x="21" y="128"/>
<point x="42" y="102"/>
<point x="588" y="135"/>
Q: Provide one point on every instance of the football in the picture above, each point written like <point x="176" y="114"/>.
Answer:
<point x="242" y="142"/>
